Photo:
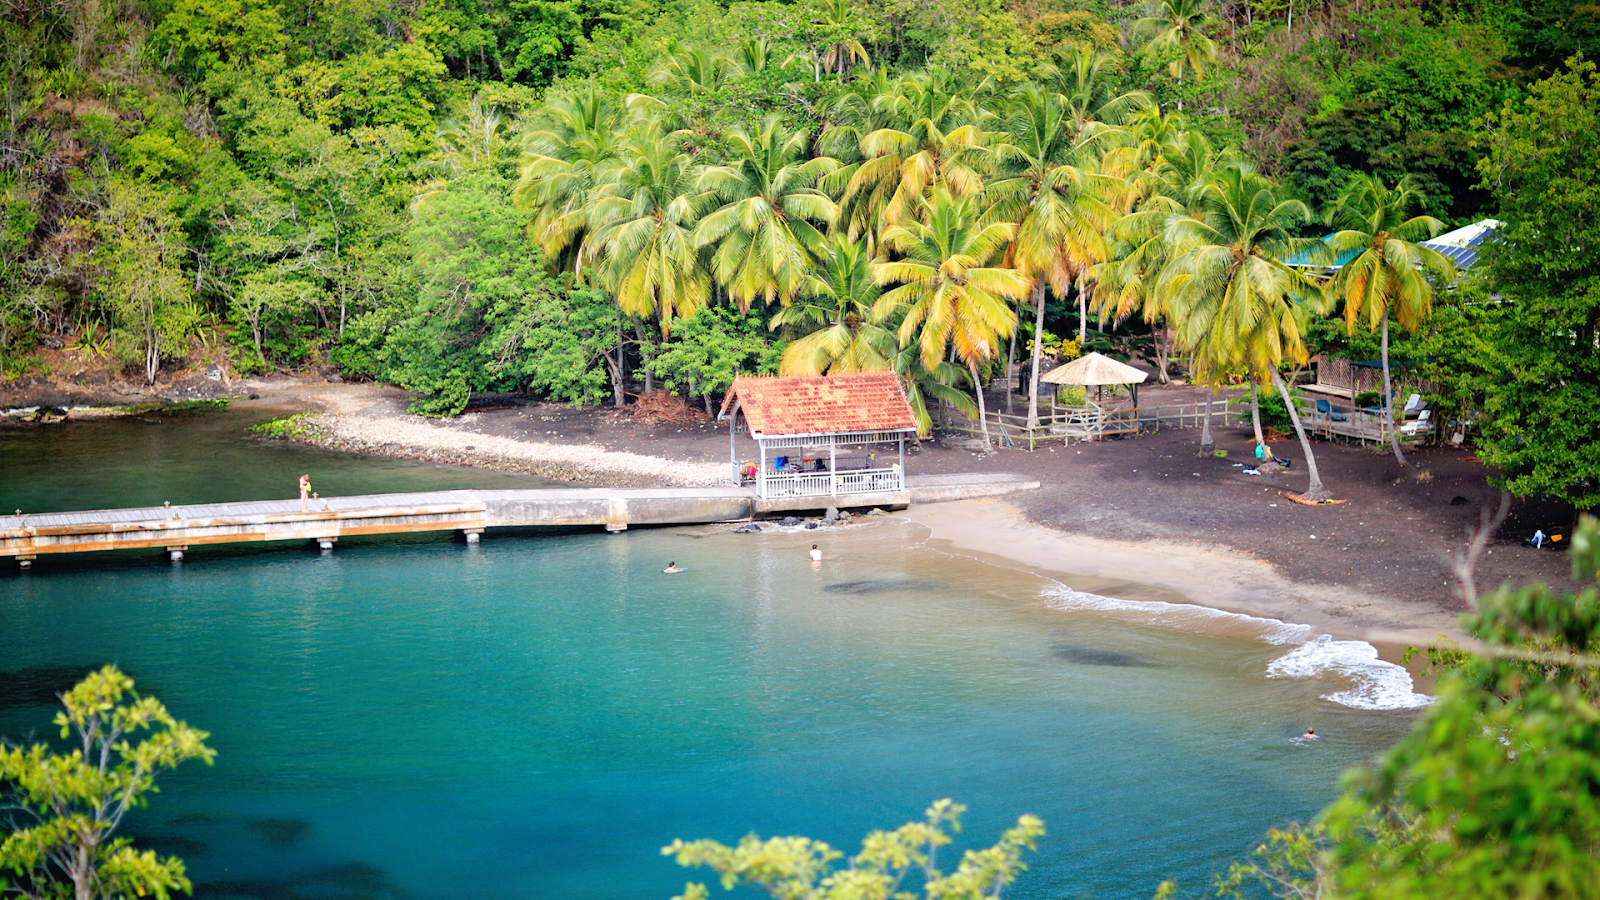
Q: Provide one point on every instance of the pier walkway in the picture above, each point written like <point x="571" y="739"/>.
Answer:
<point x="176" y="528"/>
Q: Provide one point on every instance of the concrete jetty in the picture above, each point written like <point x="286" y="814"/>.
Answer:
<point x="176" y="528"/>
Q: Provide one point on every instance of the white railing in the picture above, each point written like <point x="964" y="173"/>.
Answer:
<point x="827" y="484"/>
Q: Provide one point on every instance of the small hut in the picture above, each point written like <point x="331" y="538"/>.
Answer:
<point x="826" y="436"/>
<point x="1094" y="421"/>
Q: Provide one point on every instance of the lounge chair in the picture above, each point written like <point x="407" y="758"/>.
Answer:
<point x="1419" y="424"/>
<point x="1326" y="409"/>
<point x="1413" y="406"/>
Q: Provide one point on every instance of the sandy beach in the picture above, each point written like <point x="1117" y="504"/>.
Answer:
<point x="996" y="530"/>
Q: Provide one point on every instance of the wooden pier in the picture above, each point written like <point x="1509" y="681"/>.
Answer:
<point x="175" y="529"/>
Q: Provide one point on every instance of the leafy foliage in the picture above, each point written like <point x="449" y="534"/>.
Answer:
<point x="68" y="805"/>
<point x="799" y="868"/>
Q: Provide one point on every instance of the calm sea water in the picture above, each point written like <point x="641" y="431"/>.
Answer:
<point x="537" y="716"/>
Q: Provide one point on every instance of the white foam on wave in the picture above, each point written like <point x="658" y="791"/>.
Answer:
<point x="1178" y="615"/>
<point x="1375" y="683"/>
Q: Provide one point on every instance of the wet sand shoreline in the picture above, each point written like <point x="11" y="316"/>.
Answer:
<point x="1216" y="578"/>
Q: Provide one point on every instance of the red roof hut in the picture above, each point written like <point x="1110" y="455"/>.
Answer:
<point x="816" y="437"/>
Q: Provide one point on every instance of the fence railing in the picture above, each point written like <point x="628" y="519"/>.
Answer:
<point x="827" y="484"/>
<point x="1184" y="415"/>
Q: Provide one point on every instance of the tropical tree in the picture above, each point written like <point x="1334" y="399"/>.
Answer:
<point x="933" y="139"/>
<point x="835" y="317"/>
<point x="1175" y="27"/>
<point x="1050" y="192"/>
<point x="1388" y="276"/>
<point x="764" y="235"/>
<point x="799" y="867"/>
<point x="643" y="218"/>
<point x="693" y="72"/>
<point x="69" y="803"/>
<point x="1235" y="303"/>
<point x="843" y="26"/>
<point x="562" y="164"/>
<point x="951" y="299"/>
<point x="1087" y="82"/>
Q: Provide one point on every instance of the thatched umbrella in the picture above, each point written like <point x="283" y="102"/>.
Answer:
<point x="1093" y="368"/>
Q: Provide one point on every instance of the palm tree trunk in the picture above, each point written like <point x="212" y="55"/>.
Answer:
<point x="1038" y="352"/>
<point x="1207" y="444"/>
<point x="1011" y="362"/>
<point x="1083" y="316"/>
<point x="983" y="414"/>
<point x="1388" y="399"/>
<point x="1255" y="410"/>
<point x="1314" y="488"/>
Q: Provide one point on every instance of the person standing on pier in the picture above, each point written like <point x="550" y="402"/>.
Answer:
<point x="305" y="491"/>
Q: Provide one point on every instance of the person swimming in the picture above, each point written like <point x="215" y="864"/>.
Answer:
<point x="816" y="553"/>
<point x="1310" y="735"/>
<point x="672" y="568"/>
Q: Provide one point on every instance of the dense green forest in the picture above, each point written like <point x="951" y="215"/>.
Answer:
<point x="585" y="198"/>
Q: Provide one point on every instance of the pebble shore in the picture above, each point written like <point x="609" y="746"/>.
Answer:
<point x="457" y="443"/>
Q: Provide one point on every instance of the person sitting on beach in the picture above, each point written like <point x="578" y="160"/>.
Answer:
<point x="1310" y="735"/>
<point x="816" y="553"/>
<point x="305" y="491"/>
<point x="672" y="568"/>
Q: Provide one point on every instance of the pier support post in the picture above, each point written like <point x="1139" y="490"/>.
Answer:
<point x="325" y="544"/>
<point x="176" y="553"/>
<point x="25" y="563"/>
<point x="613" y="528"/>
<point x="471" y="534"/>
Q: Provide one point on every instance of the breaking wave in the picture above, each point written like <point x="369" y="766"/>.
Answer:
<point x="1374" y="683"/>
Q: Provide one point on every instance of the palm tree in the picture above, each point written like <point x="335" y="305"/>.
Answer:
<point x="766" y="230"/>
<point x="933" y="138"/>
<point x="1386" y="279"/>
<point x="1087" y="81"/>
<point x="950" y="298"/>
<point x="1176" y="26"/>
<point x="642" y="218"/>
<point x="1060" y="221"/>
<point x="562" y="163"/>
<point x="846" y="49"/>
<point x="693" y="71"/>
<point x="1235" y="302"/>
<point x="835" y="317"/>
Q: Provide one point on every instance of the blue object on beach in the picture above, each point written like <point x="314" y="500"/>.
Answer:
<point x="1251" y="470"/>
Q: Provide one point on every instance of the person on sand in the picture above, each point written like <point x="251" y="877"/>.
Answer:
<point x="1310" y="735"/>
<point x="672" y="568"/>
<point x="305" y="491"/>
<point x="816" y="553"/>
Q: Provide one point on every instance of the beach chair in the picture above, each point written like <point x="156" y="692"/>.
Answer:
<point x="1418" y="425"/>
<point x="1324" y="408"/>
<point x="1413" y="406"/>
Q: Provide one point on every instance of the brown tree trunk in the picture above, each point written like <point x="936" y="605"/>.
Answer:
<point x="983" y="415"/>
<point x="1314" y="488"/>
<point x="1011" y="361"/>
<point x="1038" y="352"/>
<point x="1208" y="445"/>
<point x="1388" y="399"/>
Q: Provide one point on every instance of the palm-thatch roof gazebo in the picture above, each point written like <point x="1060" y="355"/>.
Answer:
<point x="1094" y="420"/>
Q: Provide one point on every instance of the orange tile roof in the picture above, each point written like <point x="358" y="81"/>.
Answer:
<point x="830" y="404"/>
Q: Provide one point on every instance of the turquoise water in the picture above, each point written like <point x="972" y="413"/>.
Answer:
<point x="537" y="716"/>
